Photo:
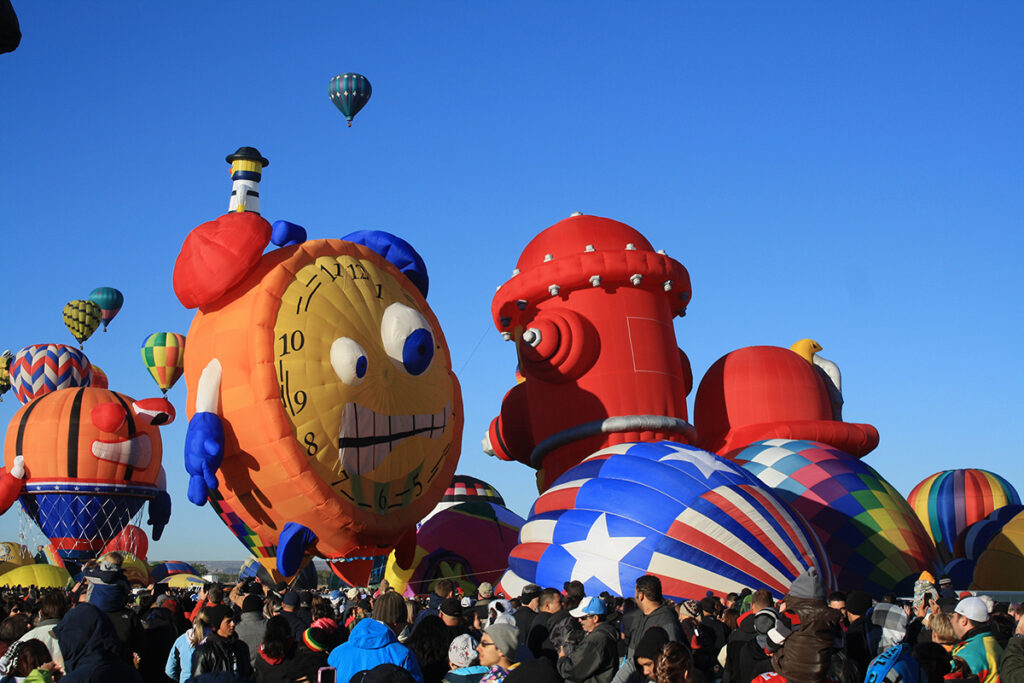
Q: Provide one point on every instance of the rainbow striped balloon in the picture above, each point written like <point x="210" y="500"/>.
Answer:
<point x="948" y="502"/>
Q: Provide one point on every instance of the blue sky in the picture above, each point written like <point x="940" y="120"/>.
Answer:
<point x="847" y="172"/>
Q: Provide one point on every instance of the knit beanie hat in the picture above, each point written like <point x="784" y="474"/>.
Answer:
<point x="858" y="603"/>
<point x="808" y="585"/>
<point x="252" y="603"/>
<point x="650" y="643"/>
<point x="462" y="651"/>
<point x="505" y="637"/>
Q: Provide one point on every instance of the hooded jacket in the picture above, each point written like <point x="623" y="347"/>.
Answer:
<point x="92" y="651"/>
<point x="595" y="659"/>
<point x="979" y="649"/>
<point x="371" y="643"/>
<point x="217" y="653"/>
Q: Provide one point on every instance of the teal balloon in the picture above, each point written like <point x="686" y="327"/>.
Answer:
<point x="350" y="93"/>
<point x="109" y="300"/>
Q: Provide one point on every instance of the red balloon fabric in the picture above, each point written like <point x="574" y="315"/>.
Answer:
<point x="132" y="540"/>
<point x="590" y="308"/>
<point x="768" y="392"/>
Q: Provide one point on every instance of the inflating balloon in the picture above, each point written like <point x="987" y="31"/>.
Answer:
<point x="320" y="389"/>
<point x="184" y="581"/>
<point x="109" y="300"/>
<point x="98" y="378"/>
<point x="160" y="571"/>
<point x="350" y="93"/>
<point x="768" y="392"/>
<point x="467" y="539"/>
<point x="590" y="307"/>
<point x="38" y="575"/>
<point x="972" y="541"/>
<point x="1001" y="565"/>
<point x="41" y="368"/>
<point x="696" y="520"/>
<point x="132" y="540"/>
<point x="92" y="458"/>
<point x="5" y="372"/>
<point x="135" y="570"/>
<point x="82" y="317"/>
<point x="15" y="554"/>
<point x="948" y="502"/>
<point x="164" y="356"/>
<point x="873" y="539"/>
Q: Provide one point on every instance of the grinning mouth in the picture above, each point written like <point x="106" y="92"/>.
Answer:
<point x="134" y="452"/>
<point x="366" y="438"/>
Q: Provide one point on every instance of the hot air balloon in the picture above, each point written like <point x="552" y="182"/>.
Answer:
<point x="948" y="502"/>
<point x="38" y="575"/>
<point x="972" y="541"/>
<point x="109" y="300"/>
<point x="15" y="554"/>
<point x="98" y="378"/>
<point x="325" y="375"/>
<point x="5" y="372"/>
<point x="92" y="459"/>
<point x="135" y="569"/>
<point x="1001" y="565"/>
<point x="873" y="539"/>
<point x="350" y="93"/>
<point x="696" y="520"/>
<point x="467" y="538"/>
<point x="160" y="571"/>
<point x="164" y="356"/>
<point x="132" y="540"/>
<point x="82" y="317"/>
<point x="41" y="368"/>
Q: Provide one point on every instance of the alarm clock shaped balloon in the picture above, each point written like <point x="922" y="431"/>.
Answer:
<point x="325" y="419"/>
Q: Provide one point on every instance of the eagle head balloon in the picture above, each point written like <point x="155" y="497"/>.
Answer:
<point x="84" y="460"/>
<point x="590" y="308"/>
<point x="324" y="415"/>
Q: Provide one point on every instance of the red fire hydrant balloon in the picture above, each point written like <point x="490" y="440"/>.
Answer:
<point x="590" y="309"/>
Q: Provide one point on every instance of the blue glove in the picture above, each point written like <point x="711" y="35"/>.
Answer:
<point x="292" y="544"/>
<point x="286" y="234"/>
<point x="159" y="513"/>
<point x="204" y="452"/>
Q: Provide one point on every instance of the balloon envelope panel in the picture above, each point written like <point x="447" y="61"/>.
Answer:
<point x="1001" y="565"/>
<point x="873" y="539"/>
<point x="692" y="518"/>
<point x="41" y="368"/>
<point x="948" y="502"/>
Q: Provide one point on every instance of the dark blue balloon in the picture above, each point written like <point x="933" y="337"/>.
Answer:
<point x="395" y="251"/>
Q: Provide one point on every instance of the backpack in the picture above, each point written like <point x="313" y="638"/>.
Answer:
<point x="895" y="665"/>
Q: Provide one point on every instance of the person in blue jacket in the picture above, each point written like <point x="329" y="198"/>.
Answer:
<point x="371" y="643"/>
<point x="92" y="651"/>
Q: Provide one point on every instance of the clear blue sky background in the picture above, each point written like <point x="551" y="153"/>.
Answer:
<point x="850" y="172"/>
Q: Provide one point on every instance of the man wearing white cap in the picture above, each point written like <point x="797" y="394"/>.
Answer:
<point x="595" y="659"/>
<point x="977" y="646"/>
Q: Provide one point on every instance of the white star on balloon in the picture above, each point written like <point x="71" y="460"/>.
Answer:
<point x="599" y="554"/>
<point x="708" y="464"/>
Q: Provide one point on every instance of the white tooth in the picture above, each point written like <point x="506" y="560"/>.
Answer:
<point x="364" y="423"/>
<point x="366" y="463"/>
<point x="402" y="423"/>
<point x="349" y="459"/>
<point x="381" y="425"/>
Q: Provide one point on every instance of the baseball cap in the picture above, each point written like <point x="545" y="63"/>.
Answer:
<point x="291" y="598"/>
<point x="451" y="607"/>
<point x="973" y="608"/>
<point x="588" y="605"/>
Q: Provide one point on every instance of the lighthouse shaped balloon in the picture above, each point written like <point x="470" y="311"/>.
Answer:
<point x="324" y="416"/>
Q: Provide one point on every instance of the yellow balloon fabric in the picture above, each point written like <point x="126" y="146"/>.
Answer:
<point x="183" y="581"/>
<point x="39" y="575"/>
<point x="1001" y="565"/>
<point x="82" y="317"/>
<point x="15" y="553"/>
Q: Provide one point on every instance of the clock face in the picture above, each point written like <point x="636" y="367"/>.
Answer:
<point x="364" y="379"/>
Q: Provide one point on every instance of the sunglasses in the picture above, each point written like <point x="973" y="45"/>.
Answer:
<point x="483" y="644"/>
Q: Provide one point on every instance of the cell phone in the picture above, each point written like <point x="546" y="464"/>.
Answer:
<point x="327" y="674"/>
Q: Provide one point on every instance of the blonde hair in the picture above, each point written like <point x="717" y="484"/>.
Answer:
<point x="942" y="629"/>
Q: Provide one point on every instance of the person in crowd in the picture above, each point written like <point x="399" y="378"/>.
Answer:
<point x="549" y="605"/>
<point x="452" y="616"/>
<point x="40" y="556"/>
<point x="888" y="626"/>
<point x="53" y="607"/>
<point x="651" y="603"/>
<point x="858" y="647"/>
<point x="673" y="665"/>
<point x="280" y="659"/>
<point x="443" y="590"/>
<point x="429" y="641"/>
<point x="91" y="648"/>
<point x="156" y="638"/>
<point x="646" y="655"/>
<point x="527" y="611"/>
<point x="464" y="661"/>
<point x="837" y="601"/>
<point x="816" y="639"/>
<point x="1011" y="665"/>
<point x="574" y="592"/>
<point x="595" y="659"/>
<point x="976" y="645"/>
<point x="744" y="633"/>
<point x="252" y="625"/>
<point x="484" y="595"/>
<point x="290" y="611"/>
<point x="12" y="628"/>
<point x="942" y="631"/>
<point x="389" y="609"/>
<point x="179" y="661"/>
<point x="497" y="651"/>
<point x="32" y="663"/>
<point x="221" y="650"/>
<point x="372" y="642"/>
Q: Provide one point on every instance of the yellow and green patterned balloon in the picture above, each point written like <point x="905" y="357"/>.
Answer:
<point x="164" y="356"/>
<point x="82" y="317"/>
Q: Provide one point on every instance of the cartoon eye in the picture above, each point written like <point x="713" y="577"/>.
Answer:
<point x="154" y="411"/>
<point x="407" y="338"/>
<point x="348" y="360"/>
